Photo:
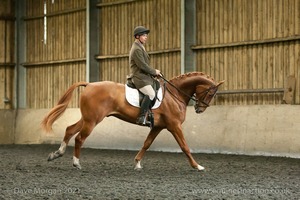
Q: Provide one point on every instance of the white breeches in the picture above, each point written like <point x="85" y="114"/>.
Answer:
<point x="148" y="90"/>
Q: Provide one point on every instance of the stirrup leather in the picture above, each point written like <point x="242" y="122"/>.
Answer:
<point x="142" y="120"/>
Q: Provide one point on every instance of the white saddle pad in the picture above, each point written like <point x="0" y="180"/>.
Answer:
<point x="132" y="96"/>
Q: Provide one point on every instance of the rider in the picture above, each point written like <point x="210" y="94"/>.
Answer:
<point x="142" y="73"/>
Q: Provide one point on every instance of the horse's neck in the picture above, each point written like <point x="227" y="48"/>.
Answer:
<point x="188" y="85"/>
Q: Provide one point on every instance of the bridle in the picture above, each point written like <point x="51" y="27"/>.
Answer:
<point x="194" y="96"/>
<point x="203" y="100"/>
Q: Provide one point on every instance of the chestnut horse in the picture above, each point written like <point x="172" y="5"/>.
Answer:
<point x="103" y="99"/>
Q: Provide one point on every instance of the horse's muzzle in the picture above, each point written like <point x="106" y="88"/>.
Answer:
<point x="199" y="110"/>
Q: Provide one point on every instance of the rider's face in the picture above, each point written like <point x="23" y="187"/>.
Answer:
<point x="143" y="38"/>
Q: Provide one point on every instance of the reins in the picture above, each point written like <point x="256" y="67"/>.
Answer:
<point x="179" y="90"/>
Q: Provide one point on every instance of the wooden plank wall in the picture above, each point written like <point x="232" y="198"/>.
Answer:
<point x="117" y="22"/>
<point x="7" y="52"/>
<point x="54" y="63"/>
<point x="252" y="44"/>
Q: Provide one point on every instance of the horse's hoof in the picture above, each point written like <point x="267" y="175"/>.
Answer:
<point x="138" y="168"/>
<point x="138" y="165"/>
<point x="200" y="168"/>
<point x="53" y="156"/>
<point x="76" y="163"/>
<point x="50" y="157"/>
<point x="77" y="166"/>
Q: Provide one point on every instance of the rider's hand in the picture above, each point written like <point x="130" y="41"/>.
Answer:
<point x="157" y="72"/>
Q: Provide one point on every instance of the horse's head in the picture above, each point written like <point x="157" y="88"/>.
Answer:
<point x="204" y="95"/>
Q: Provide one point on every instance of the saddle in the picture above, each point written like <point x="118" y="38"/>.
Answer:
<point x="134" y="96"/>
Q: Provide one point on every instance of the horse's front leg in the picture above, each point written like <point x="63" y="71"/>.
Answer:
<point x="149" y="140"/>
<point x="178" y="135"/>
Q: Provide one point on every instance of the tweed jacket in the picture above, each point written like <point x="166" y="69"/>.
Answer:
<point x="141" y="71"/>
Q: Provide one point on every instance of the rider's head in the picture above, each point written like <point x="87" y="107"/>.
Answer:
<point x="141" y="33"/>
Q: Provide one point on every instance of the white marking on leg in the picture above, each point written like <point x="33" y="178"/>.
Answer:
<point x="62" y="148"/>
<point x="59" y="153"/>
<point x="200" y="168"/>
<point x="76" y="162"/>
<point x="138" y="165"/>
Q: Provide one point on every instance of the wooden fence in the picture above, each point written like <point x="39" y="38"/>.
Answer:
<point x="117" y="22"/>
<point x="253" y="44"/>
<point x="55" y="50"/>
<point x="51" y="63"/>
<point x="7" y="52"/>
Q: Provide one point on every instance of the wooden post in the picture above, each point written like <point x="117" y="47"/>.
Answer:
<point x="20" y="47"/>
<point x="188" y="35"/>
<point x="288" y="97"/>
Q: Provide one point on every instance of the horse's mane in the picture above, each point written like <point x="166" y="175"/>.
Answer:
<point x="191" y="74"/>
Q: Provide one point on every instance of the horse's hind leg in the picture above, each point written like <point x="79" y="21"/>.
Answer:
<point x="70" y="132"/>
<point x="79" y="140"/>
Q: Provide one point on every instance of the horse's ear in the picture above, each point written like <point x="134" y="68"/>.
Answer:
<point x="220" y="83"/>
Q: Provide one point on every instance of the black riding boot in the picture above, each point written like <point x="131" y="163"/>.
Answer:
<point x="142" y="119"/>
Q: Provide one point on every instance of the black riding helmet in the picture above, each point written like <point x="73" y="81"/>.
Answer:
<point x="140" y="30"/>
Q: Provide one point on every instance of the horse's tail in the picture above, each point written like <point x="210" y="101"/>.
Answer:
<point x="60" y="108"/>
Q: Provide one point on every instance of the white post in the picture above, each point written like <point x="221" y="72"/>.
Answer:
<point x="87" y="70"/>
